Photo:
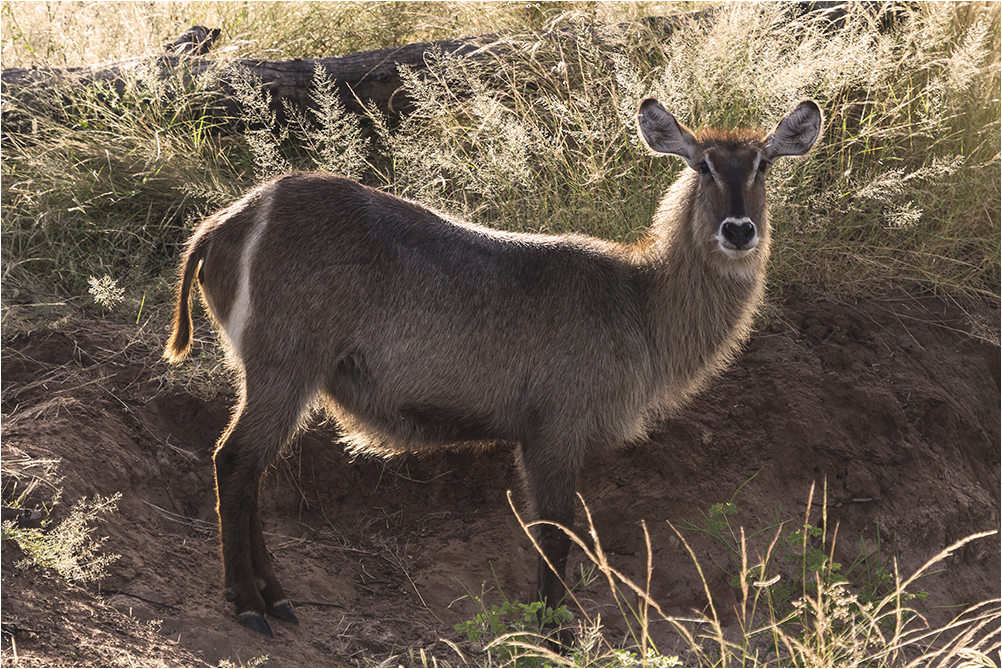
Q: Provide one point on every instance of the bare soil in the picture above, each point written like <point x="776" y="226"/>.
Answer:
<point x="894" y="403"/>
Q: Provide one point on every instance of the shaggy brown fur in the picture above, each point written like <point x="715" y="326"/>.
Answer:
<point x="421" y="332"/>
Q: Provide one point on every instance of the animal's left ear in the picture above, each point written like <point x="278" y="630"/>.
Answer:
<point x="796" y="133"/>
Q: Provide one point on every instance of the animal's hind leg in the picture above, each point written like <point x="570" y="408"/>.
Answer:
<point x="275" y="601"/>
<point x="263" y="422"/>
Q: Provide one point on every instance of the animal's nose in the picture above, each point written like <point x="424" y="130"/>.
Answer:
<point x="738" y="233"/>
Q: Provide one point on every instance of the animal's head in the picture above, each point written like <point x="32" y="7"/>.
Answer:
<point x="730" y="204"/>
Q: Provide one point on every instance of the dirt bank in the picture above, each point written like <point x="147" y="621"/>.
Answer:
<point x="894" y="403"/>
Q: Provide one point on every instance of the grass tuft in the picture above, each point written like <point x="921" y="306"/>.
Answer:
<point x="541" y="136"/>
<point x="823" y="620"/>
<point x="69" y="548"/>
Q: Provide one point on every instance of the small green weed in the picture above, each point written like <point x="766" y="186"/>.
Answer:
<point x="519" y="616"/>
<point x="511" y="632"/>
<point x="69" y="548"/>
<point x="807" y="564"/>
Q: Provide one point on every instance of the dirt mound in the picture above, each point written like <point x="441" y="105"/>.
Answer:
<point x="895" y="404"/>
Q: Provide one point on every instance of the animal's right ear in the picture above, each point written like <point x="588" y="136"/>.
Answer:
<point x="663" y="134"/>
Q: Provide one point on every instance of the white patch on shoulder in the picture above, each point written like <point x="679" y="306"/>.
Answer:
<point x="240" y="314"/>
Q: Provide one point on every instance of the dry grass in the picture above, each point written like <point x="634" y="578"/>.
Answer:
<point x="83" y="33"/>
<point x="830" y="624"/>
<point x="541" y="138"/>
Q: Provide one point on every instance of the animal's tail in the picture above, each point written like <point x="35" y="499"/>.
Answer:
<point x="180" y="339"/>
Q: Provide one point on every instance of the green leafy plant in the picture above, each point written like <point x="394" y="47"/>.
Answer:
<point x="512" y="633"/>
<point x="805" y="561"/>
<point x="70" y="547"/>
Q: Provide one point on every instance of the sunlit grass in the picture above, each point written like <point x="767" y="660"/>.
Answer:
<point x="78" y="34"/>
<point x="540" y="137"/>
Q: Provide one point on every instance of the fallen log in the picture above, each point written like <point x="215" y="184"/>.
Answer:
<point x="366" y="77"/>
<point x="372" y="75"/>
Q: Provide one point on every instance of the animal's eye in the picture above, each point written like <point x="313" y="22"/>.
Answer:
<point x="703" y="168"/>
<point x="763" y="166"/>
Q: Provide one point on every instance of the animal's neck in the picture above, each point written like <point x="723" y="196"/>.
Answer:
<point x="699" y="314"/>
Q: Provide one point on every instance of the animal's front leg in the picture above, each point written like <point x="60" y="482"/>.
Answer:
<point x="550" y="475"/>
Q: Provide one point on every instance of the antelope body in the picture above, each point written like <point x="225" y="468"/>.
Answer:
<point x="418" y="331"/>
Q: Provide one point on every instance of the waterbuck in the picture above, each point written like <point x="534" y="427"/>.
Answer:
<point x="418" y="331"/>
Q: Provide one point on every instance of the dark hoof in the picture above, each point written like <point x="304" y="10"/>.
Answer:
<point x="256" y="622"/>
<point x="561" y="641"/>
<point x="283" y="610"/>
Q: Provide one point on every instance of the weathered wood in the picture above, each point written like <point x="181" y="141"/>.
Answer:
<point x="367" y="76"/>
<point x="371" y="77"/>
<point x="195" y="41"/>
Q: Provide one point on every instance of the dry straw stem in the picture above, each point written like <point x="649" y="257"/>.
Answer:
<point x="885" y="633"/>
<point x="597" y="556"/>
<point x="29" y="475"/>
<point x="976" y="629"/>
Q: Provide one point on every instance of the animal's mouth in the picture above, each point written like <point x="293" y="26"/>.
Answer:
<point x="736" y="253"/>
